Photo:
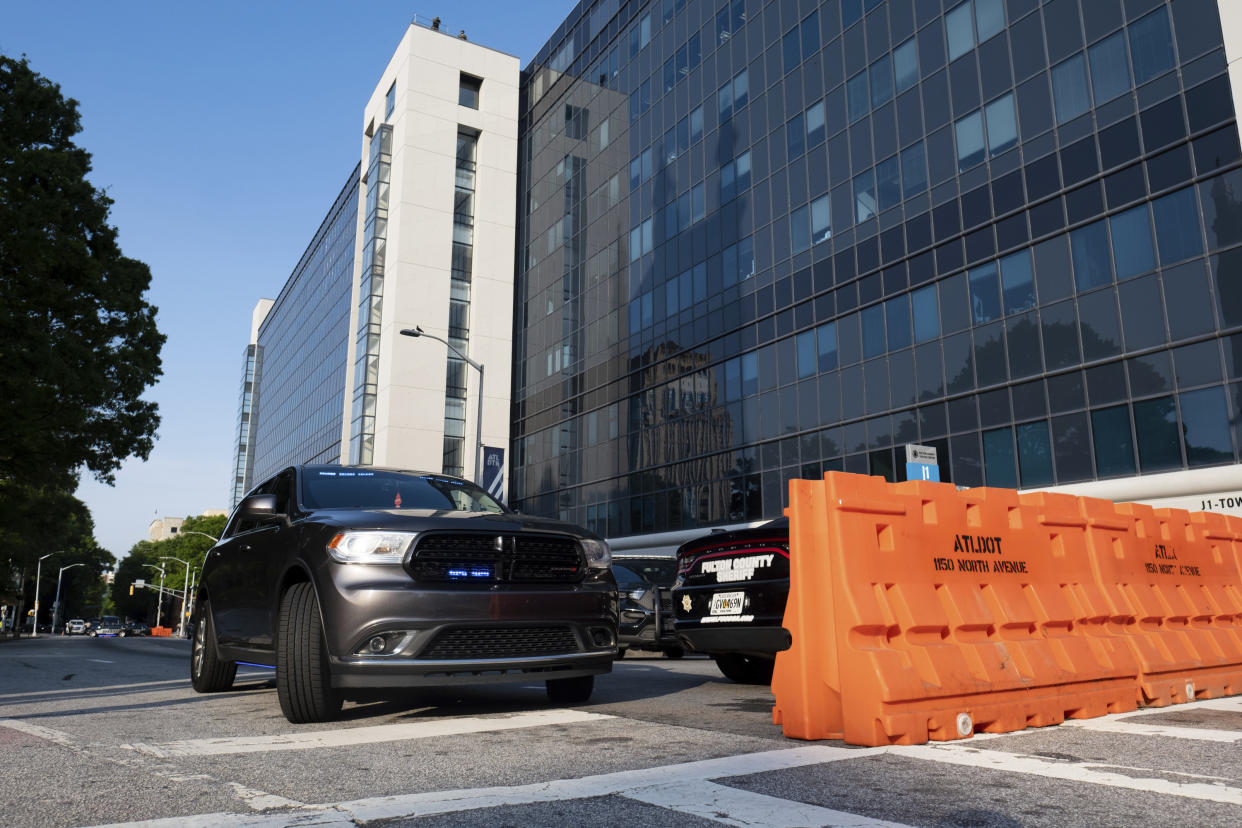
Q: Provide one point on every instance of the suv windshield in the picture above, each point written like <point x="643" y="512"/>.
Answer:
<point x="359" y="489"/>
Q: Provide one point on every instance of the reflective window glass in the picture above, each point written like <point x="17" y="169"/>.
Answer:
<point x="1151" y="46"/>
<point x="826" y="342"/>
<point x="960" y="30"/>
<point x="795" y="137"/>
<point x="1098" y="324"/>
<point x="984" y="294"/>
<point x="864" y="196"/>
<point x="926" y="314"/>
<point x="1071" y="447"/>
<point x="989" y="18"/>
<point x="954" y="305"/>
<point x="906" y="65"/>
<point x="1141" y="313"/>
<point x="1188" y="300"/>
<point x="1159" y="443"/>
<point x="1110" y="71"/>
<point x="1205" y="427"/>
<point x="1150" y="374"/>
<point x="1177" y="226"/>
<point x="999" y="466"/>
<point x="800" y="228"/>
<point x="1114" y="448"/>
<point x="1017" y="282"/>
<point x="913" y="170"/>
<point x="1002" y="126"/>
<point x="1090" y="250"/>
<point x="969" y="131"/>
<point x="1069" y="89"/>
<point x="1132" y="247"/>
<point x="897" y="318"/>
<point x="821" y="227"/>
<point x="888" y="183"/>
<point x="858" y="96"/>
<point x="881" y="82"/>
<point x="1034" y="454"/>
<point x="873" y="331"/>
<point x="808" y="358"/>
<point x="815" y="124"/>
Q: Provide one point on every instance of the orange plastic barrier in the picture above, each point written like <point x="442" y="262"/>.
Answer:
<point x="1171" y="580"/>
<point x="162" y="632"/>
<point x="920" y="612"/>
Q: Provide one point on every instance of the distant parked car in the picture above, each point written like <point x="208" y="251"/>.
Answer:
<point x="644" y="584"/>
<point x="134" y="628"/>
<point x="75" y="627"/>
<point x="107" y="626"/>
<point x="351" y="580"/>
<point x="730" y="597"/>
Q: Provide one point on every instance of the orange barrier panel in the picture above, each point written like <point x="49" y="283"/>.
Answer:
<point x="161" y="632"/>
<point x="918" y="611"/>
<point x="1172" y="582"/>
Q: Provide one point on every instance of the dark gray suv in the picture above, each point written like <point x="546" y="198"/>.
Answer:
<point x="350" y="580"/>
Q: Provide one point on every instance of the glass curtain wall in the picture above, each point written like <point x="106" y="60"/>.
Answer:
<point x="371" y="299"/>
<point x="242" y="457"/>
<point x="459" y="305"/>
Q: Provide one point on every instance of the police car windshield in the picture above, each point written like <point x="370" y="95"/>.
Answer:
<point x="359" y="489"/>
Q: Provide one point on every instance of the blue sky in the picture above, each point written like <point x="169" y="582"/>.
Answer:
<point x="222" y="131"/>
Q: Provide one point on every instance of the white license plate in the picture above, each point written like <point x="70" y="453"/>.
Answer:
<point x="727" y="603"/>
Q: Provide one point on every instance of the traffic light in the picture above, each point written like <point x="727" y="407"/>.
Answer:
<point x="131" y="589"/>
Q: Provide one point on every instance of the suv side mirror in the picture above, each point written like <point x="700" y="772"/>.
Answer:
<point x="259" y="507"/>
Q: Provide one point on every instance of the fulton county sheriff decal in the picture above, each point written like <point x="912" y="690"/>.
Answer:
<point x="736" y="569"/>
<point x="685" y="602"/>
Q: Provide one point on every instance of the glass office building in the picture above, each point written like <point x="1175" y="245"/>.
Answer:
<point x="300" y="363"/>
<point x="763" y="241"/>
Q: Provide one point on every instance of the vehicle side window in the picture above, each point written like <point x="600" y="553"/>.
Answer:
<point x="283" y="489"/>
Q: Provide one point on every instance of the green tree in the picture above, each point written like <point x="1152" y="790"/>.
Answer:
<point x="78" y="341"/>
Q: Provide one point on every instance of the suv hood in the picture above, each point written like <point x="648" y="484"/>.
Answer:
<point x="428" y="520"/>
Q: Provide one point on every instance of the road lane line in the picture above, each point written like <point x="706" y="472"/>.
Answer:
<point x="963" y="755"/>
<point x="101" y="661"/>
<point x="57" y="736"/>
<point x="734" y="806"/>
<point x="446" y="802"/>
<point x="362" y="735"/>
<point x="1128" y="728"/>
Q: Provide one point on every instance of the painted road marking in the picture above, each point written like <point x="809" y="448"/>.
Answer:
<point x="1202" y="734"/>
<point x="57" y="736"/>
<point x="101" y="661"/>
<point x="362" y="735"/>
<point x="962" y="754"/>
<point x="734" y="806"/>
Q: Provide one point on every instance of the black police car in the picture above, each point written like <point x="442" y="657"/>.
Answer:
<point x="729" y="598"/>
<point x="643" y="583"/>
<point x="349" y="580"/>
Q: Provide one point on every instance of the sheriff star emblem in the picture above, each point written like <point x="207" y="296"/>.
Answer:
<point x="685" y="602"/>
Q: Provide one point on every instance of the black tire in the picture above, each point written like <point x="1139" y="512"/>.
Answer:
<point x="621" y="653"/>
<point x="208" y="672"/>
<point x="745" y="669"/>
<point x="674" y="652"/>
<point x="570" y="690"/>
<point x="303" y="677"/>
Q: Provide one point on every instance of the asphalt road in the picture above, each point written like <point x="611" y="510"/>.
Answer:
<point x="108" y="731"/>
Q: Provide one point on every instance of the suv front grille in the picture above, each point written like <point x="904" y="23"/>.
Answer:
<point x="489" y="558"/>
<point x="470" y="643"/>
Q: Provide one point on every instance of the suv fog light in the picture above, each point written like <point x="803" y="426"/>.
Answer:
<point x="377" y="644"/>
<point x="601" y="637"/>
<point x="385" y="643"/>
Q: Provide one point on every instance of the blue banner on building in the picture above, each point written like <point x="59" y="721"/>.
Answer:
<point x="494" y="472"/>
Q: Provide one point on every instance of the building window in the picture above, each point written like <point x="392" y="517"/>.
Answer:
<point x="390" y="101"/>
<point x="468" y="92"/>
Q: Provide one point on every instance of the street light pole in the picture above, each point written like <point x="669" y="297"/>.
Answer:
<point x="185" y="591"/>
<point x="34" y="625"/>
<point x="159" y="607"/>
<point x="198" y="571"/>
<point x="416" y="331"/>
<point x="56" y="606"/>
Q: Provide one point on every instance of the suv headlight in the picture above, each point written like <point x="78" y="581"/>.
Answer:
<point x="371" y="547"/>
<point x="598" y="555"/>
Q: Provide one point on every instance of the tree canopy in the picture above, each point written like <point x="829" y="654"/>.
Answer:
<point x="186" y="546"/>
<point x="78" y="340"/>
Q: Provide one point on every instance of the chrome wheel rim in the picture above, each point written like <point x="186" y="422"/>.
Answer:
<point x="196" y="658"/>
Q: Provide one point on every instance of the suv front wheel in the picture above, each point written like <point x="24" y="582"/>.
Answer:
<point x="303" y="677"/>
<point x="208" y="672"/>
